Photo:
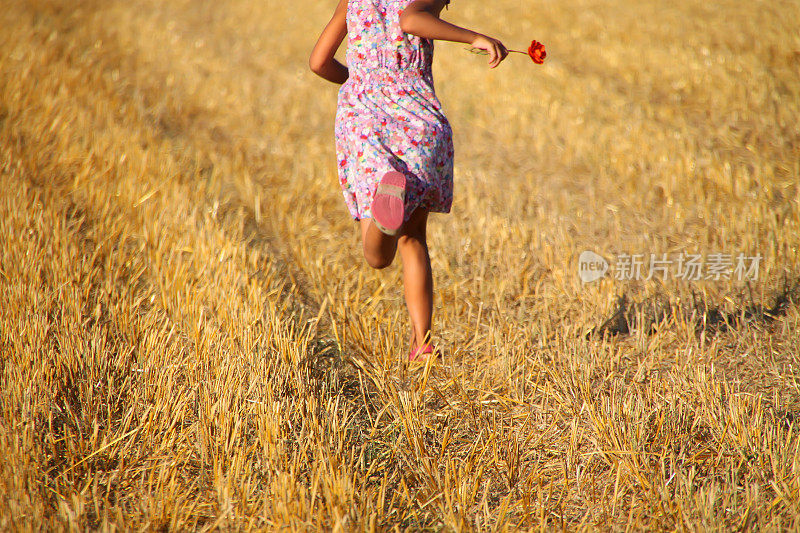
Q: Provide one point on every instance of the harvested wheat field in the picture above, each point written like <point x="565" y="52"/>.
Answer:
<point x="190" y="338"/>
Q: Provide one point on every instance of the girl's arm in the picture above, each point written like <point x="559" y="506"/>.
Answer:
<point x="322" y="60"/>
<point x="421" y="18"/>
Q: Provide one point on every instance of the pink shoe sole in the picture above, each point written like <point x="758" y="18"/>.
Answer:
<point x="388" y="207"/>
<point x="421" y="354"/>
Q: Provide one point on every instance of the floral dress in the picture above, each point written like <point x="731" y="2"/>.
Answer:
<point x="388" y="116"/>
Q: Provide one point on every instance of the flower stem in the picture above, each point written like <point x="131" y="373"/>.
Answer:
<point x="484" y="52"/>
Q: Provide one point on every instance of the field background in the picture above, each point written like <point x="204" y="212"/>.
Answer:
<point x="190" y="339"/>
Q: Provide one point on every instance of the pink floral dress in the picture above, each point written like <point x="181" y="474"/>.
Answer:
<point x="388" y="116"/>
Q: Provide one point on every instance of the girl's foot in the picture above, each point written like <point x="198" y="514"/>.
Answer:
<point x="422" y="353"/>
<point x="388" y="207"/>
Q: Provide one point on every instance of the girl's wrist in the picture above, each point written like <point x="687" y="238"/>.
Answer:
<point x="472" y="36"/>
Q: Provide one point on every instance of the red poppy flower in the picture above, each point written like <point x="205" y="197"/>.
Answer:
<point x="537" y="52"/>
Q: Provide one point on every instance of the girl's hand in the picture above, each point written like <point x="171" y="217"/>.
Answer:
<point x="497" y="51"/>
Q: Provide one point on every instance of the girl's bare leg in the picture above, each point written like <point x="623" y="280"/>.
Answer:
<point x="380" y="250"/>
<point x="417" y="276"/>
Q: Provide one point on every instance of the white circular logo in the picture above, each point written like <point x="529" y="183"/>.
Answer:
<point x="591" y="266"/>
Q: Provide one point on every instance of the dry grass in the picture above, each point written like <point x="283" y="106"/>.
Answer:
<point x="189" y="338"/>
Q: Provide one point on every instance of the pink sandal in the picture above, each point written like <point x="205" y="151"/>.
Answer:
<point x="421" y="354"/>
<point x="388" y="206"/>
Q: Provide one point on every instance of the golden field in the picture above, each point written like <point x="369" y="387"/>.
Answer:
<point x="191" y="340"/>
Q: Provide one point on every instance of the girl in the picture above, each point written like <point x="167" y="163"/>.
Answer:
<point x="393" y="144"/>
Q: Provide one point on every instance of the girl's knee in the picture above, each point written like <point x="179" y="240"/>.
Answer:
<point x="376" y="260"/>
